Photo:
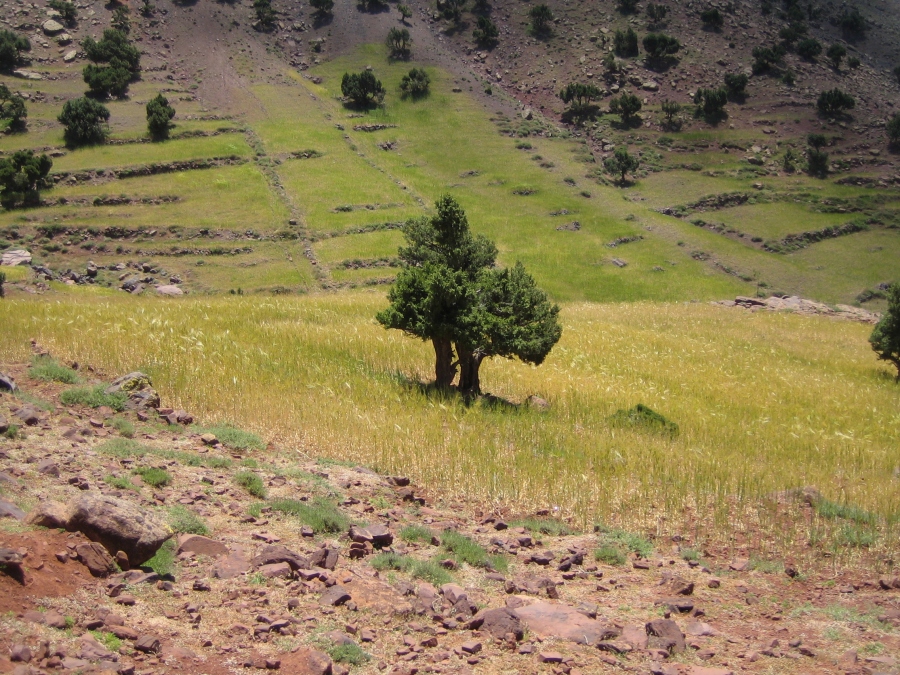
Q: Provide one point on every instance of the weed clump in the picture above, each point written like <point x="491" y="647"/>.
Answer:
<point x="231" y="437"/>
<point x="50" y="370"/>
<point x="615" y="544"/>
<point x="321" y="514"/>
<point x="643" y="418"/>
<point x="94" y="397"/>
<point x="416" y="533"/>
<point x="184" y="521"/>
<point x="153" y="476"/>
<point x="251" y="482"/>
<point x="466" y="550"/>
<point x="551" y="526"/>
<point x="163" y="562"/>
<point x="427" y="570"/>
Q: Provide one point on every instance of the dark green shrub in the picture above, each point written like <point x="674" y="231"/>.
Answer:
<point x="712" y="18"/>
<point x="836" y="54"/>
<point x="625" y="43"/>
<point x="736" y="84"/>
<point x="84" y="120"/>
<point x="399" y="42"/>
<point x="541" y="16"/>
<point x="153" y="476"/>
<point x="68" y="12"/>
<point x="362" y="89"/>
<point x="22" y="175"/>
<point x="643" y="418"/>
<point x="659" y="46"/>
<point x="486" y="32"/>
<point x="834" y="102"/>
<point x="809" y="48"/>
<point x="415" y="83"/>
<point x="11" y="47"/>
<point x="159" y="117"/>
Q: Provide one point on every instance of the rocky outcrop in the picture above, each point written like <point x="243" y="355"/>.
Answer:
<point x="15" y="257"/>
<point x="139" y="389"/>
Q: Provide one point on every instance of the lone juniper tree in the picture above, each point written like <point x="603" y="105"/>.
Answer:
<point x="451" y="293"/>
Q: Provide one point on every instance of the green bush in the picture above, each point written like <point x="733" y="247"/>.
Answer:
<point x="322" y="515"/>
<point x="466" y="550"/>
<point x="350" y="653"/>
<point x="642" y="417"/>
<point x="625" y="43"/>
<point x="120" y="482"/>
<point x="184" y="521"/>
<point x="94" y="397"/>
<point x="50" y="370"/>
<point x="415" y="83"/>
<point x="153" y="476"/>
<point x="609" y="554"/>
<point x="712" y="17"/>
<point x="625" y="540"/>
<point x="251" y="482"/>
<point x="123" y="426"/>
<point x="84" y="120"/>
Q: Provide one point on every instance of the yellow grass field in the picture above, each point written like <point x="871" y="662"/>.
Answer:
<point x="765" y="402"/>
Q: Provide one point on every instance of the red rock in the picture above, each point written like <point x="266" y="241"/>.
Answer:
<point x="550" y="657"/>
<point x="280" y="554"/>
<point x="635" y="635"/>
<point x="498" y="622"/>
<point x="147" y="643"/>
<point x="453" y="593"/>
<point x="123" y="632"/>
<point x="54" y="619"/>
<point x="740" y="564"/>
<point x="563" y="621"/>
<point x="20" y="654"/>
<point x="275" y="570"/>
<point x="93" y="556"/>
<point x="232" y="566"/>
<point x="335" y="596"/>
<point x="665" y="634"/>
<point x="307" y="662"/>
<point x="701" y="670"/>
<point x="194" y="543"/>
<point x="714" y="582"/>
<point x="471" y="647"/>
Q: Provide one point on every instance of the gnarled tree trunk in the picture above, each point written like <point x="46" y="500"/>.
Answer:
<point x="444" y="368"/>
<point x="469" y="363"/>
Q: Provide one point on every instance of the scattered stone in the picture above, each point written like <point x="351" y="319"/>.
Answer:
<point x="232" y="566"/>
<point x="70" y="55"/>
<point x="20" y="654"/>
<point x="334" y="596"/>
<point x="147" y="643"/>
<point x="498" y="622"/>
<point x="665" y="634"/>
<point x="563" y="622"/>
<point x="52" y="27"/>
<point x="96" y="558"/>
<point x="199" y="545"/>
<point x="273" y="554"/>
<point x="7" y="384"/>
<point x="48" y="467"/>
<point x="169" y="290"/>
<point x="10" y="510"/>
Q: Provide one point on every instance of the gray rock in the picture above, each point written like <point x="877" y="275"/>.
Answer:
<point x="119" y="525"/>
<point x="10" y="510"/>
<point x="52" y="27"/>
<point x="7" y="383"/>
<point x="139" y="389"/>
<point x="170" y="290"/>
<point x="15" y="257"/>
<point x="70" y="55"/>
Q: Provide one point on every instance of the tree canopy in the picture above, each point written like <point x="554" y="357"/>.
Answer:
<point x="21" y="175"/>
<point x="660" y="46"/>
<point x="11" y="47"/>
<point x="541" y="16"/>
<point x="450" y="292"/>
<point x="12" y="107"/>
<point x="626" y="106"/>
<point x="835" y="101"/>
<point x="885" y="338"/>
<point x="116" y="64"/>
<point x="159" y="117"/>
<point x="84" y="120"/>
<point x="362" y="89"/>
<point x="415" y="83"/>
<point x="620" y="163"/>
<point x="399" y="42"/>
<point x="579" y="94"/>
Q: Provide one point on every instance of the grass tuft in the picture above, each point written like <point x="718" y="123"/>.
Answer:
<point x="153" y="476"/>
<point x="427" y="570"/>
<point x="624" y="541"/>
<point x="552" y="526"/>
<point x="123" y="426"/>
<point x="184" y="521"/>
<point x="232" y="437"/>
<point x="50" y="370"/>
<point x="251" y="482"/>
<point x="610" y="554"/>
<point x="829" y="509"/>
<point x="120" y="482"/>
<point x="418" y="533"/>
<point x="94" y="397"/>
<point x="348" y="653"/>
<point x="163" y="561"/>
<point x="321" y="514"/>
<point x="469" y="551"/>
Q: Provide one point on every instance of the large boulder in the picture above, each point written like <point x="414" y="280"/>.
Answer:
<point x="139" y="389"/>
<point x="52" y="27"/>
<point x="117" y="524"/>
<point x="15" y="257"/>
<point x="548" y="620"/>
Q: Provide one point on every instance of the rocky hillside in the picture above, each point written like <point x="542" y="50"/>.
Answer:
<point x="138" y="542"/>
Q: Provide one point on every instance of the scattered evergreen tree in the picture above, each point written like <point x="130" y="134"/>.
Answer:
<point x="12" y="107"/>
<point x="809" y="48"/>
<point x="836" y="54"/>
<point x="362" y="89"/>
<point x="451" y="9"/>
<point x="405" y="11"/>
<point x="659" y="46"/>
<point x="791" y="33"/>
<point x="626" y="106"/>
<point x="816" y="141"/>
<point x="620" y="163"/>
<point x="120" y="20"/>
<point x="669" y="110"/>
<point x="415" y="83"/>
<point x="486" y="32"/>
<point x="736" y="84"/>
<point x="627" y="6"/>
<point x="657" y="13"/>
<point x="885" y="338"/>
<point x="766" y="59"/>
<point x="711" y="102"/>
<point x="399" y="42"/>
<point x="84" y="120"/>
<point x="834" y="101"/>
<point x="816" y="158"/>
<point x="119" y="64"/>
<point x="11" y="47"/>
<point x="159" y="117"/>
<point x="21" y="176"/>
<point x="147" y="8"/>
<point x="712" y="18"/>
<point x="450" y="293"/>
<point x="265" y="14"/>
<point x="68" y="12"/>
<point x="853" y="62"/>
<point x="853" y="22"/>
<point x="541" y="16"/>
<point x="579" y="95"/>
<point x="625" y="43"/>
<point x="893" y="129"/>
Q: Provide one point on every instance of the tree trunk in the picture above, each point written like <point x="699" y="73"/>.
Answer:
<point x="469" y="363"/>
<point x="444" y="369"/>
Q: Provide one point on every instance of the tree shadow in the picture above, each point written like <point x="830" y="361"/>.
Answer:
<point x="672" y="125"/>
<point x="578" y="115"/>
<point x="13" y="572"/>
<point x="627" y="124"/>
<point x="660" y="64"/>
<point x="452" y="395"/>
<point x="373" y="6"/>
<point x="414" y="95"/>
<point x="399" y="55"/>
<point x="457" y="27"/>
<point x="322" y="19"/>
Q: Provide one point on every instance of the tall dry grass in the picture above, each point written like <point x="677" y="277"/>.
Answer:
<point x="765" y="402"/>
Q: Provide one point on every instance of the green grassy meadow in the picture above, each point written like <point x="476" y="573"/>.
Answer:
<point x="764" y="402"/>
